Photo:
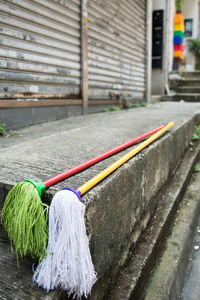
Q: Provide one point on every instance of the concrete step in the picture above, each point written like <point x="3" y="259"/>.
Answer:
<point x="16" y="282"/>
<point x="188" y="89"/>
<point x="195" y="74"/>
<point x="189" y="97"/>
<point x="176" y="83"/>
<point x="119" y="209"/>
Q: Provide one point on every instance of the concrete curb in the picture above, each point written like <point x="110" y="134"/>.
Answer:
<point x="120" y="208"/>
<point x="134" y="277"/>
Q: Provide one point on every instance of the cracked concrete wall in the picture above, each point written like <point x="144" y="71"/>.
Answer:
<point x="122" y="205"/>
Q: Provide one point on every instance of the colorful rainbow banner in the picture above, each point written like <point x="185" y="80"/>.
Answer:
<point x="179" y="29"/>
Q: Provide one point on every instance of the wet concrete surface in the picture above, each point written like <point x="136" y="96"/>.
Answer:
<point x="173" y="278"/>
<point x="191" y="288"/>
<point x="16" y="281"/>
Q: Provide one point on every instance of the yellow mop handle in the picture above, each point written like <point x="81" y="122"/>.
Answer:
<point x="92" y="182"/>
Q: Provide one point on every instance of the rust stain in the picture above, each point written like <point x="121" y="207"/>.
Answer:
<point x="40" y="95"/>
<point x="85" y="20"/>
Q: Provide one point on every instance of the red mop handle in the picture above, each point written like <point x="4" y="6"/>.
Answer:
<point x="51" y="181"/>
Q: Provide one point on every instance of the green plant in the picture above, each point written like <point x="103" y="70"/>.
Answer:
<point x="143" y="104"/>
<point x="115" y="108"/>
<point x="197" y="167"/>
<point x="2" y="129"/>
<point x="196" y="135"/>
<point x="126" y="105"/>
<point x="136" y="105"/>
<point x="179" y="4"/>
<point x="194" y="47"/>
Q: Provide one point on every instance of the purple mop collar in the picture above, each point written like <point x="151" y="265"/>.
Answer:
<point x="77" y="192"/>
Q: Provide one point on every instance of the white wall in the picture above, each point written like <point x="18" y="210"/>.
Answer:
<point x="190" y="10"/>
<point x="148" y="50"/>
<point x="160" y="76"/>
<point x="170" y="27"/>
<point x="159" y="4"/>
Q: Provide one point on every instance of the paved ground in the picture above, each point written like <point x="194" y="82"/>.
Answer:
<point x="191" y="289"/>
<point x="173" y="269"/>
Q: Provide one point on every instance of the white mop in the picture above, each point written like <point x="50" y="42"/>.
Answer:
<point x="68" y="264"/>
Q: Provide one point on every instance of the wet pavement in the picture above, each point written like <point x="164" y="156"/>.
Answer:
<point x="191" y="289"/>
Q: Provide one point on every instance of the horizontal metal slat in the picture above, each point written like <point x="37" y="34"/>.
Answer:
<point x="115" y="33"/>
<point x="109" y="49"/>
<point x="115" y="81"/>
<point x="42" y="29"/>
<point x="116" y="42"/>
<point x="40" y="59"/>
<point x="40" y="78"/>
<point x="44" y="16"/>
<point x="118" y="23"/>
<point x="21" y="103"/>
<point x="116" y="45"/>
<point x="9" y="89"/>
<point x="133" y="9"/>
<point x="101" y="54"/>
<point x="104" y="93"/>
<point x="37" y="68"/>
<point x="23" y="35"/>
<point x="140" y="3"/>
<point x="31" y="28"/>
<point x="71" y="7"/>
<point x="117" y="10"/>
<point x="127" y="16"/>
<point x="34" y="48"/>
<point x="96" y="39"/>
<point x="108" y="67"/>
<point x="120" y="74"/>
<point x="40" y="46"/>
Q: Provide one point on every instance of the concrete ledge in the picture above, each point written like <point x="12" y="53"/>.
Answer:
<point x="16" y="282"/>
<point x="134" y="277"/>
<point x="167" y="280"/>
<point x="124" y="203"/>
<point x="120" y="208"/>
<point x="194" y="74"/>
<point x="184" y="82"/>
<point x="189" y="97"/>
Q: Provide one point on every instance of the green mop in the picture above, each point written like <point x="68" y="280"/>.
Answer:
<point x="24" y="215"/>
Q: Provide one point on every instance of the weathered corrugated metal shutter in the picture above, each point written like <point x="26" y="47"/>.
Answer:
<point x="116" y="48"/>
<point x="39" y="47"/>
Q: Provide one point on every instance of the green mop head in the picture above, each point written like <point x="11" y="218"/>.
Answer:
<point x="24" y="217"/>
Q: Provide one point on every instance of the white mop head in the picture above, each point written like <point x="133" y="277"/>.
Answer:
<point x="68" y="264"/>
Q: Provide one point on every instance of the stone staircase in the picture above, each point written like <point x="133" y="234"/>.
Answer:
<point x="186" y="86"/>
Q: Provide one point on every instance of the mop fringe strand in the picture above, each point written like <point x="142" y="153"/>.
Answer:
<point x="24" y="217"/>
<point x="68" y="264"/>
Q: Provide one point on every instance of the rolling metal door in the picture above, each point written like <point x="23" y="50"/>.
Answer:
<point x="116" y="48"/>
<point x="39" y="48"/>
